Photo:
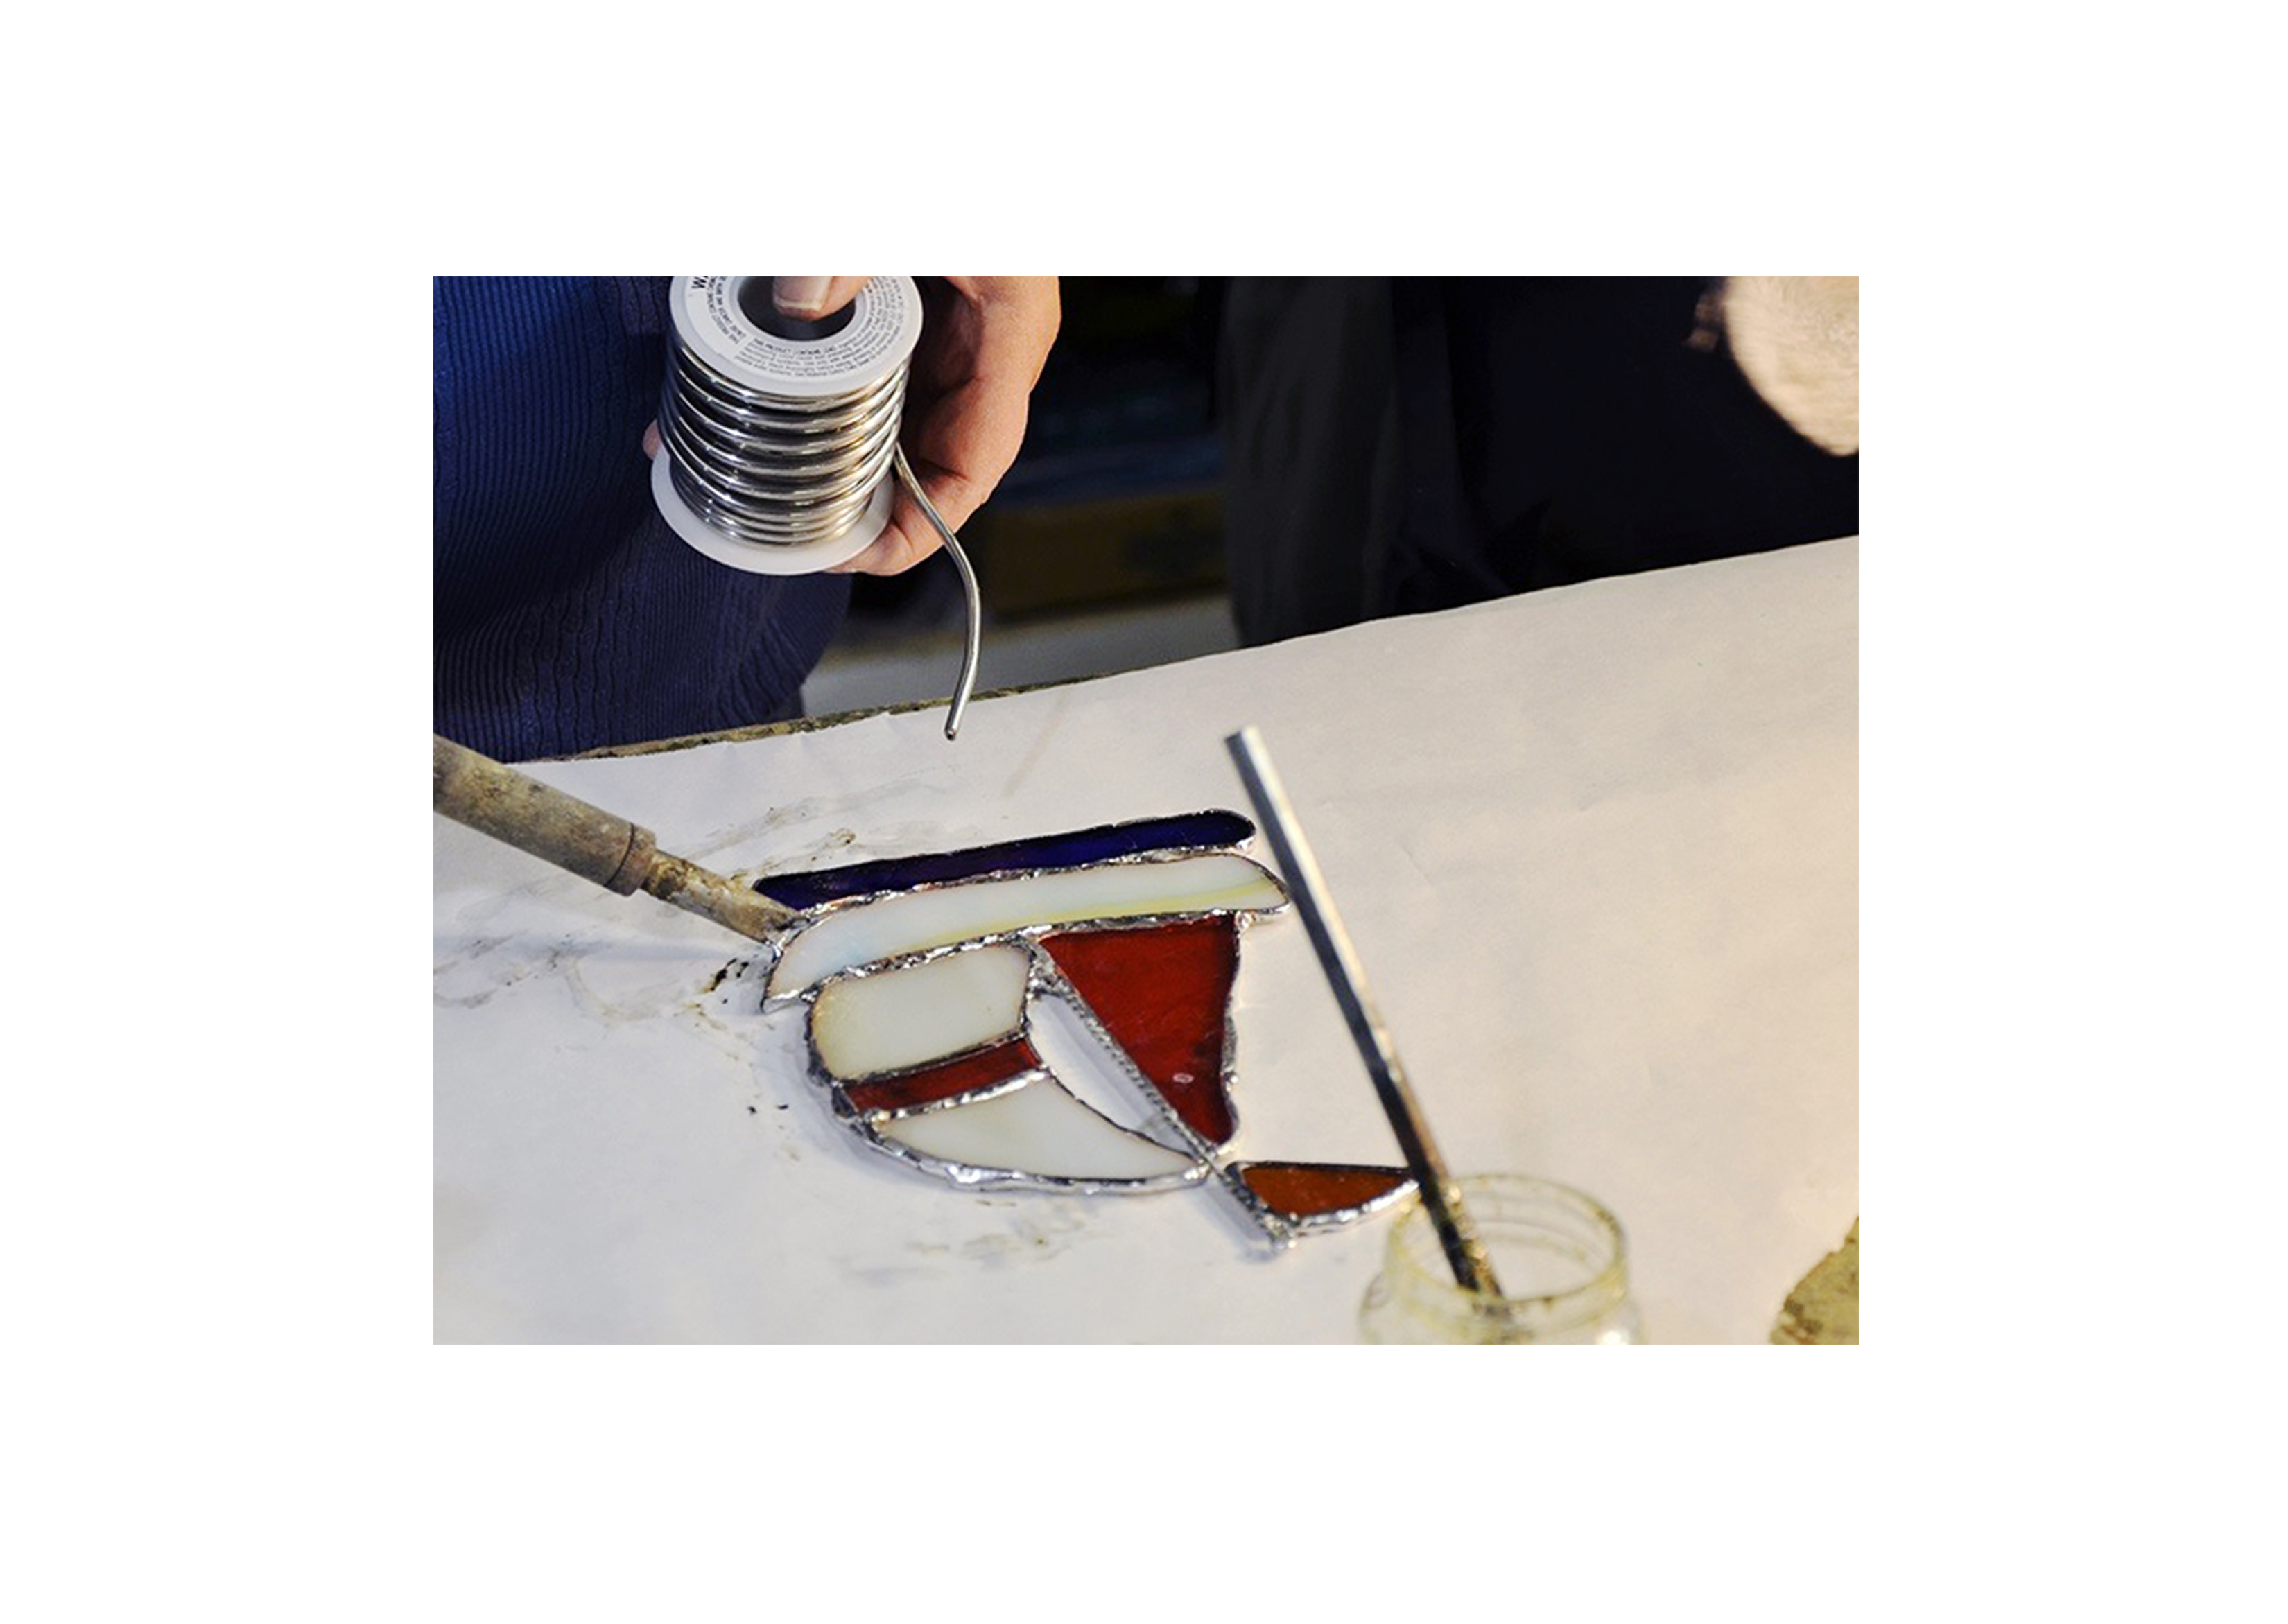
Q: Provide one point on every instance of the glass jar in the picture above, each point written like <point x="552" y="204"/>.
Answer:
<point x="1559" y="1256"/>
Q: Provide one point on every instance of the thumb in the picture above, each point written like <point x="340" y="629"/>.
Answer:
<point x="810" y="297"/>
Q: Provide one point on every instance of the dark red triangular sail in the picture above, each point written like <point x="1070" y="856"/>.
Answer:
<point x="1163" y="992"/>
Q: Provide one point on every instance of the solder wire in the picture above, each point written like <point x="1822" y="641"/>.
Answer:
<point x="778" y="470"/>
<point x="971" y="598"/>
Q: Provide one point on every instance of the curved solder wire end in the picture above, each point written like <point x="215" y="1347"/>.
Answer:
<point x="968" y="677"/>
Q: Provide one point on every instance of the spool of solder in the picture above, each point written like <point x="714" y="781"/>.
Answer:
<point x="779" y="437"/>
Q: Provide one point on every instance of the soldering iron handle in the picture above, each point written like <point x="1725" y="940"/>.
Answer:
<point x="562" y="829"/>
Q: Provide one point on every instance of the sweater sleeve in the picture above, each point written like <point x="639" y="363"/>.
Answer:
<point x="567" y="616"/>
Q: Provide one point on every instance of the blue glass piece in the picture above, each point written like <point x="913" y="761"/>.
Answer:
<point x="1065" y="851"/>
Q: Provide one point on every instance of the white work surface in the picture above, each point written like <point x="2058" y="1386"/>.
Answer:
<point x="1598" y="850"/>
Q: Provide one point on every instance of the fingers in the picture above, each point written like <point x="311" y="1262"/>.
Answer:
<point x="910" y="537"/>
<point x="651" y="438"/>
<point x="906" y="542"/>
<point x="809" y="297"/>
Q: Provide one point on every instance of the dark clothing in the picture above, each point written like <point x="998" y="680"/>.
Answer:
<point x="1442" y="441"/>
<point x="1310" y="433"/>
<point x="568" y="615"/>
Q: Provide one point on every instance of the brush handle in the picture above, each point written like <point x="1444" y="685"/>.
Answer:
<point x="613" y="852"/>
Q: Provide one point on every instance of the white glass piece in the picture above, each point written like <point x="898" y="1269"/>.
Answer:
<point x="912" y="921"/>
<point x="1038" y="1128"/>
<point x="1090" y="1071"/>
<point x="895" y="1018"/>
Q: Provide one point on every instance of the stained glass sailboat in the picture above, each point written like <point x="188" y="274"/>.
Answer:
<point x="934" y="982"/>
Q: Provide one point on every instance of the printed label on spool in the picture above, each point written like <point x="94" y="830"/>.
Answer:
<point x="884" y="322"/>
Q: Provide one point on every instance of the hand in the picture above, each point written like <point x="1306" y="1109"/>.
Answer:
<point x="984" y="341"/>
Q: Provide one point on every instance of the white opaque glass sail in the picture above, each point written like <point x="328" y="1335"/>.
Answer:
<point x="914" y="921"/>
<point x="896" y="1018"/>
<point x="1038" y="1130"/>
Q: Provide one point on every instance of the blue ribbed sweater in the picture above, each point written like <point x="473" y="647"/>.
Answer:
<point x="568" y="614"/>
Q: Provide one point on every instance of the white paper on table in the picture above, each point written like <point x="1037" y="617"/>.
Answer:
<point x="1597" y="847"/>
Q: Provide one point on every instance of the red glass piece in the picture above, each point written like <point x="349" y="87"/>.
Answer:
<point x="1299" y="1190"/>
<point x="1162" y="992"/>
<point x="944" y="1080"/>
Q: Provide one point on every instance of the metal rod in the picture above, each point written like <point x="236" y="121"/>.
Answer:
<point x="968" y="677"/>
<point x="1473" y="1270"/>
